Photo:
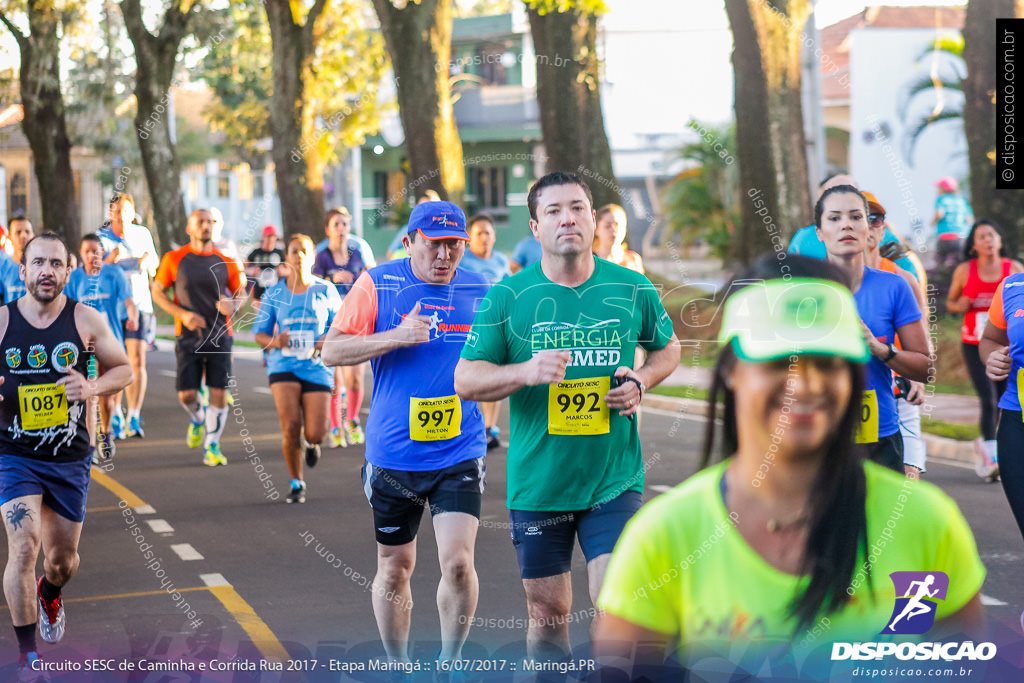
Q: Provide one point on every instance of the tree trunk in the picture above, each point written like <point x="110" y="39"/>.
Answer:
<point x="298" y="166"/>
<point x="569" y="96"/>
<point x="1005" y="207"/>
<point x="154" y="70"/>
<point x="44" y="124"/>
<point x="770" y="143"/>
<point x="419" y="38"/>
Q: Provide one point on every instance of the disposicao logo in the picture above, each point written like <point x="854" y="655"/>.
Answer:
<point x="917" y="598"/>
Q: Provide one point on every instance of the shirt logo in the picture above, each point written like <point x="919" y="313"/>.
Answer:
<point x="13" y="356"/>
<point x="37" y="356"/>
<point x="1019" y="313"/>
<point x="388" y="529"/>
<point x="917" y="596"/>
<point x="65" y="355"/>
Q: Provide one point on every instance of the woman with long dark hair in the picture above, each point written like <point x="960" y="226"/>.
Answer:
<point x="886" y="308"/>
<point x="788" y="538"/>
<point x="985" y="265"/>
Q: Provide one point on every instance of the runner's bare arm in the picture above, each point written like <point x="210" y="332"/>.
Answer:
<point x="660" y="363"/>
<point x="480" y="380"/>
<point x="97" y="335"/>
<point x="352" y="349"/>
<point x="956" y="302"/>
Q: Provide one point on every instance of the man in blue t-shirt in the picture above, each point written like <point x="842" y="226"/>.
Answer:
<point x="105" y="287"/>
<point x="424" y="445"/>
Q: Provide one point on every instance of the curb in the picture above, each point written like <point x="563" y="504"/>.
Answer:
<point x="937" y="446"/>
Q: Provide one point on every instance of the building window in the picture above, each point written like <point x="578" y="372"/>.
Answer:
<point x="489" y="186"/>
<point x="492" y="69"/>
<point x="19" y="195"/>
<point x="193" y="188"/>
<point x="223" y="186"/>
<point x="380" y="185"/>
<point x="257" y="185"/>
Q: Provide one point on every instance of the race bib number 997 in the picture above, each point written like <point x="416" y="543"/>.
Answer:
<point x="435" y="419"/>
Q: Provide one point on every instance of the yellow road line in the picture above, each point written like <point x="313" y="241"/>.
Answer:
<point x="262" y="637"/>
<point x="122" y="492"/>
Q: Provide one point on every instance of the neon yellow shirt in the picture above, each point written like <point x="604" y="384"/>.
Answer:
<point x="681" y="567"/>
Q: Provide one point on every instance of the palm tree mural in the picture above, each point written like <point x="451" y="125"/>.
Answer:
<point x="934" y="95"/>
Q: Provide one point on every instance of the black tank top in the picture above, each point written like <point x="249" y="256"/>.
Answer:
<point x="36" y="420"/>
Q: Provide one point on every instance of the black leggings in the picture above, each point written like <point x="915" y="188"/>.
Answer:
<point x="987" y="390"/>
<point x="1011" y="461"/>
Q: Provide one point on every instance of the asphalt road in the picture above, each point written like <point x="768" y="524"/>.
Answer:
<point x="184" y="564"/>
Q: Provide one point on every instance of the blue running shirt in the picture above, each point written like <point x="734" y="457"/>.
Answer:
<point x="413" y="424"/>
<point x="885" y="303"/>
<point x="306" y="317"/>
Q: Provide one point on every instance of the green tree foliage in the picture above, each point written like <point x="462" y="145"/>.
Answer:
<point x="37" y="27"/>
<point x="345" y="72"/>
<point x="701" y="201"/>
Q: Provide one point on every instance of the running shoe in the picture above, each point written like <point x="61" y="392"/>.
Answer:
<point x="354" y="432"/>
<point x="105" y="447"/>
<point x="312" y="454"/>
<point x="213" y="456"/>
<point x="204" y="395"/>
<point x="135" y="428"/>
<point x="230" y="397"/>
<point x="298" y="493"/>
<point x="492" y="437"/>
<point x="986" y="465"/>
<point x="117" y="426"/>
<point x="194" y="438"/>
<point x="26" y="674"/>
<point x="51" y="616"/>
<point x="338" y="438"/>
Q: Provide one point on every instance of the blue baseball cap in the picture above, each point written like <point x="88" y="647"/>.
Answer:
<point x="438" y="221"/>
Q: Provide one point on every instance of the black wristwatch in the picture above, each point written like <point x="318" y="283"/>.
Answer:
<point x="892" y="353"/>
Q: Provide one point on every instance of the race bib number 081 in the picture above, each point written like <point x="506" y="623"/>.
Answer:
<point x="42" y="406"/>
<point x="577" y="407"/>
<point x="435" y="419"/>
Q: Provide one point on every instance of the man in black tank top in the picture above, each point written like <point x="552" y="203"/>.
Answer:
<point x="46" y="339"/>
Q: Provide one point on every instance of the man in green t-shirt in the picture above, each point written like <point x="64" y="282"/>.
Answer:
<point x="559" y="338"/>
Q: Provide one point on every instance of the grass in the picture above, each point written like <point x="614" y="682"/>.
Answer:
<point x="950" y="430"/>
<point x="696" y="393"/>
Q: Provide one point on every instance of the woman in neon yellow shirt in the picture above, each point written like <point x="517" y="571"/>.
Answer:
<point x="788" y="544"/>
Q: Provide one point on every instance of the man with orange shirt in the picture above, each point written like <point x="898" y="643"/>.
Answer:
<point x="208" y="288"/>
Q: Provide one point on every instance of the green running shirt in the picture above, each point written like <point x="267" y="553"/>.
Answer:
<point x="681" y="567"/>
<point x="601" y="322"/>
